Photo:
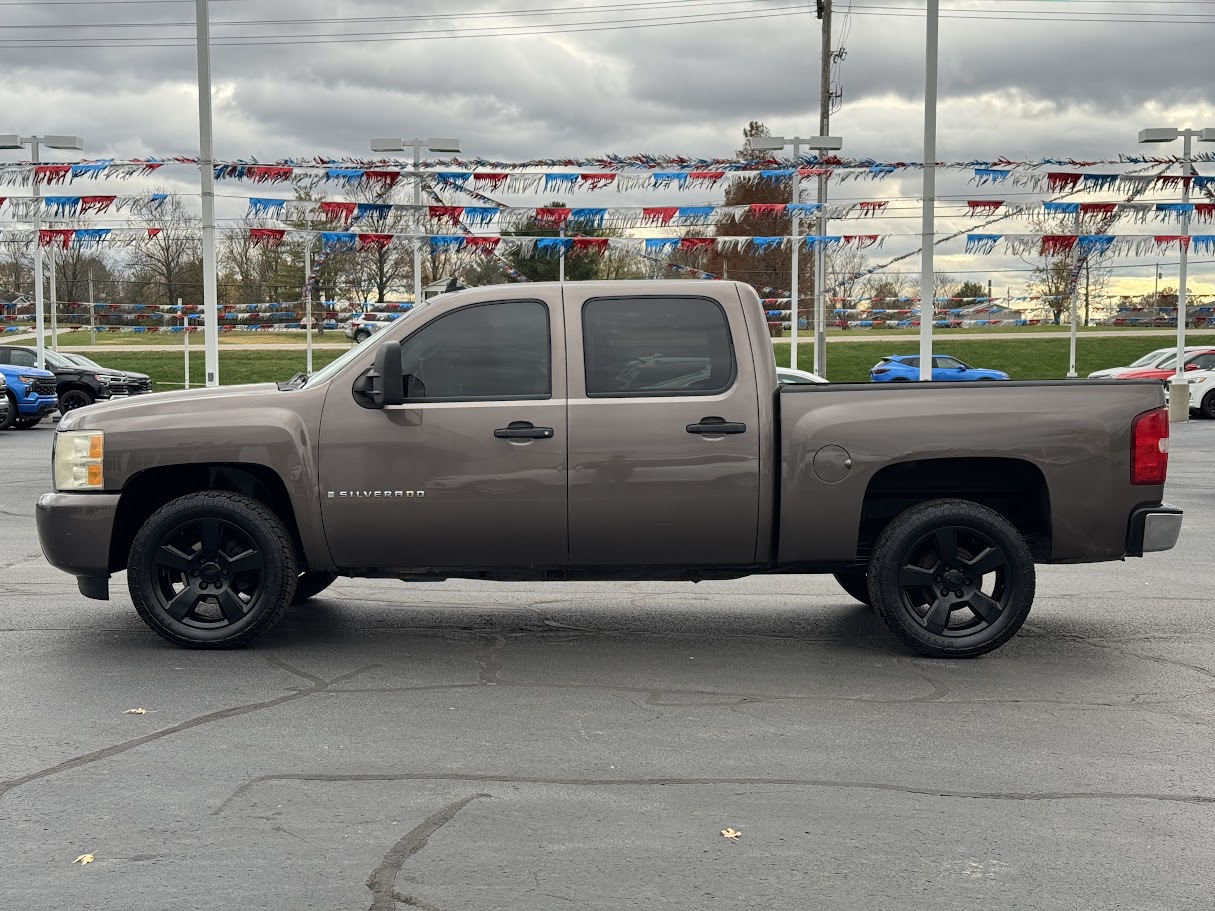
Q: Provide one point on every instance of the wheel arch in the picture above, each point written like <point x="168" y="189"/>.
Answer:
<point x="148" y="490"/>
<point x="1015" y="488"/>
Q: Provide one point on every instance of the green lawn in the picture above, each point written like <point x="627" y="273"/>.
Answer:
<point x="1037" y="359"/>
<point x="1022" y="359"/>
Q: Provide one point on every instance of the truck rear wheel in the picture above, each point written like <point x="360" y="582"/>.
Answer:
<point x="212" y="570"/>
<point x="951" y="578"/>
<point x="855" y="583"/>
<point x="1208" y="405"/>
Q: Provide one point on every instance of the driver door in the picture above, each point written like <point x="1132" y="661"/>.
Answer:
<point x="435" y="482"/>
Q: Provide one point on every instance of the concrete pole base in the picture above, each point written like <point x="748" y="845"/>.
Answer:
<point x="1179" y="402"/>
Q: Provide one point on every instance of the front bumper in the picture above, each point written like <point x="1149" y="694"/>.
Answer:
<point x="37" y="407"/>
<point x="1153" y="529"/>
<point x="74" y="530"/>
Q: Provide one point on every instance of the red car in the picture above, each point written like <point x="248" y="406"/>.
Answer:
<point x="1202" y="359"/>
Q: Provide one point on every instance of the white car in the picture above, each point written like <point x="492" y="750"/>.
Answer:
<point x="787" y="376"/>
<point x="1149" y="361"/>
<point x="362" y="326"/>
<point x="1201" y="384"/>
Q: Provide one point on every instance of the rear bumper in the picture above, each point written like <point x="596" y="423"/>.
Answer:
<point x="1153" y="529"/>
<point x="74" y="530"/>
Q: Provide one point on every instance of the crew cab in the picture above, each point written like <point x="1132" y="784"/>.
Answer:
<point x="31" y="395"/>
<point x="601" y="431"/>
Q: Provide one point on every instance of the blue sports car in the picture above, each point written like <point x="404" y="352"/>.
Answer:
<point x="904" y="368"/>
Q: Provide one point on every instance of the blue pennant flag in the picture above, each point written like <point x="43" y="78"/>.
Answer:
<point x="1175" y="208"/>
<point x="480" y="215"/>
<point x="694" y="215"/>
<point x="441" y="243"/>
<point x="1202" y="243"/>
<point x="1100" y="181"/>
<point x="375" y="209"/>
<point x="455" y="178"/>
<point x="337" y="241"/>
<point x="777" y="175"/>
<point x="62" y="205"/>
<point x="157" y="199"/>
<point x="814" y="242"/>
<point x="87" y="237"/>
<point x="587" y="218"/>
<point x="982" y="243"/>
<point x="765" y="244"/>
<point x="560" y="182"/>
<point x="90" y="169"/>
<point x="662" y="178"/>
<point x="994" y="175"/>
<point x="263" y="206"/>
<point x="660" y="245"/>
<point x="553" y="246"/>
<point x="348" y="176"/>
<point x="1093" y="244"/>
<point x="1061" y="208"/>
<point x="803" y="209"/>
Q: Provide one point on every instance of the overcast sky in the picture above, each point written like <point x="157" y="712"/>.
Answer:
<point x="1023" y="88"/>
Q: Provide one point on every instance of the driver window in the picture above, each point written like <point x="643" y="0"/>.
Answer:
<point x="20" y="358"/>
<point x="482" y="352"/>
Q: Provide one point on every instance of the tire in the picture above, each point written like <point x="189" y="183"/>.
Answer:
<point x="75" y="398"/>
<point x="201" y="598"/>
<point x="900" y="379"/>
<point x="310" y="584"/>
<point x="855" y="583"/>
<point x="1208" y="405"/>
<point x="958" y="543"/>
<point x="361" y="336"/>
<point x="27" y="423"/>
<point x="11" y="416"/>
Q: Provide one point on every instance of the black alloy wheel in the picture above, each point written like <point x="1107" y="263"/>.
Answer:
<point x="855" y="583"/>
<point x="952" y="578"/>
<point x="73" y="399"/>
<point x="1208" y="405"/>
<point x="212" y="570"/>
<point x="361" y="336"/>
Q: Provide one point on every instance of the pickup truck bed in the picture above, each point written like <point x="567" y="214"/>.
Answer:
<point x="614" y="430"/>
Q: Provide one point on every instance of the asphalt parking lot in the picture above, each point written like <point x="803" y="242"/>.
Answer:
<point x="521" y="746"/>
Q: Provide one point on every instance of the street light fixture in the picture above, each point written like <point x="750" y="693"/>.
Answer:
<point x="819" y="144"/>
<point x="51" y="141"/>
<point x="1179" y="393"/>
<point x="400" y="145"/>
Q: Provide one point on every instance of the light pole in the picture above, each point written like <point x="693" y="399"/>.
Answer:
<point x="399" y="145"/>
<point x="819" y="144"/>
<point x="1179" y="393"/>
<point x="928" y="217"/>
<point x="206" y="167"/>
<point x="70" y="143"/>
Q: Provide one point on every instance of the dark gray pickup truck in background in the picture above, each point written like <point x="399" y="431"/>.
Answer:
<point x="600" y="431"/>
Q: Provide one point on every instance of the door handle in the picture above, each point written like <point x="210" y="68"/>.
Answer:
<point x="713" y="426"/>
<point x="523" y="430"/>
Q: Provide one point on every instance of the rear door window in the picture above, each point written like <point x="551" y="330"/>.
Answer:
<point x="656" y="346"/>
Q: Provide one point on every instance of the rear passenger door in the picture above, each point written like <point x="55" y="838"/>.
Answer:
<point x="651" y="480"/>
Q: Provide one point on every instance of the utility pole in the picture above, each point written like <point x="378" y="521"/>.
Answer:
<point x="824" y="129"/>
<point x="92" y="312"/>
<point x="1087" y="275"/>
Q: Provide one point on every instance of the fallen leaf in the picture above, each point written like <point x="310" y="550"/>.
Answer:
<point x="730" y="833"/>
<point x="84" y="859"/>
<point x="136" y="712"/>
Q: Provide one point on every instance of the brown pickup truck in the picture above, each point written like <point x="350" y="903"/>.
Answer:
<point x="601" y="431"/>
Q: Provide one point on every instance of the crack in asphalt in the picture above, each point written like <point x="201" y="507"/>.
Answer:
<point x="468" y="777"/>
<point x="382" y="881"/>
<point x="221" y="715"/>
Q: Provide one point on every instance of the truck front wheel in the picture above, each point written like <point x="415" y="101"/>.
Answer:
<point x="951" y="578"/>
<point x="11" y="416"/>
<point x="212" y="570"/>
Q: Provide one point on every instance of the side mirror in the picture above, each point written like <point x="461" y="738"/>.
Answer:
<point x="1190" y="367"/>
<point x="383" y="384"/>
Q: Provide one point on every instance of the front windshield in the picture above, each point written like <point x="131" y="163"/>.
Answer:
<point x="329" y="371"/>
<point x="1147" y="359"/>
<point x="1169" y="361"/>
<point x="85" y="362"/>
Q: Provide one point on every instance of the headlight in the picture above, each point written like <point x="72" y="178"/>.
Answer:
<point x="78" y="455"/>
<point x="108" y="378"/>
<point x="29" y="380"/>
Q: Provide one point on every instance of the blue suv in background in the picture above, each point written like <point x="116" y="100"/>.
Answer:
<point x="32" y="395"/>
<point x="905" y="368"/>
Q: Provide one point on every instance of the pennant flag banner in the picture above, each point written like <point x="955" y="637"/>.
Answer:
<point x="1088" y="244"/>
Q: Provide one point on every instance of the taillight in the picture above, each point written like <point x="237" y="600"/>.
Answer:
<point x="877" y="370"/>
<point x="1150" y="447"/>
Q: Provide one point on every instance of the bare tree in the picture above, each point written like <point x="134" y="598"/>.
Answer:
<point x="845" y="267"/>
<point x="1055" y="277"/>
<point x="169" y="263"/>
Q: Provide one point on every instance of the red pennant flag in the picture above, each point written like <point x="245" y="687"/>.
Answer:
<point x="338" y="211"/>
<point x="984" y="205"/>
<point x="861" y="241"/>
<point x="268" y="173"/>
<point x="493" y="180"/>
<point x="706" y="176"/>
<point x="95" y="203"/>
<point x="1165" y="240"/>
<point x="51" y="173"/>
<point x="484" y="244"/>
<point x="1172" y="181"/>
<point x="767" y="209"/>
<point x="448" y="213"/>
<point x="596" y="245"/>
<point x="266" y="237"/>
<point x="152" y="232"/>
<point x="1060" y="180"/>
<point x="55" y="237"/>
<point x="1055" y="244"/>
<point x="696" y="243"/>
<point x="596" y="181"/>
<point x="868" y="208"/>
<point x="552" y="217"/>
<point x="379" y="241"/>
<point x="814" y="172"/>
<point x="1205" y="212"/>
<point x="1098" y="208"/>
<point x="383" y="178"/>
<point x="658" y="215"/>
